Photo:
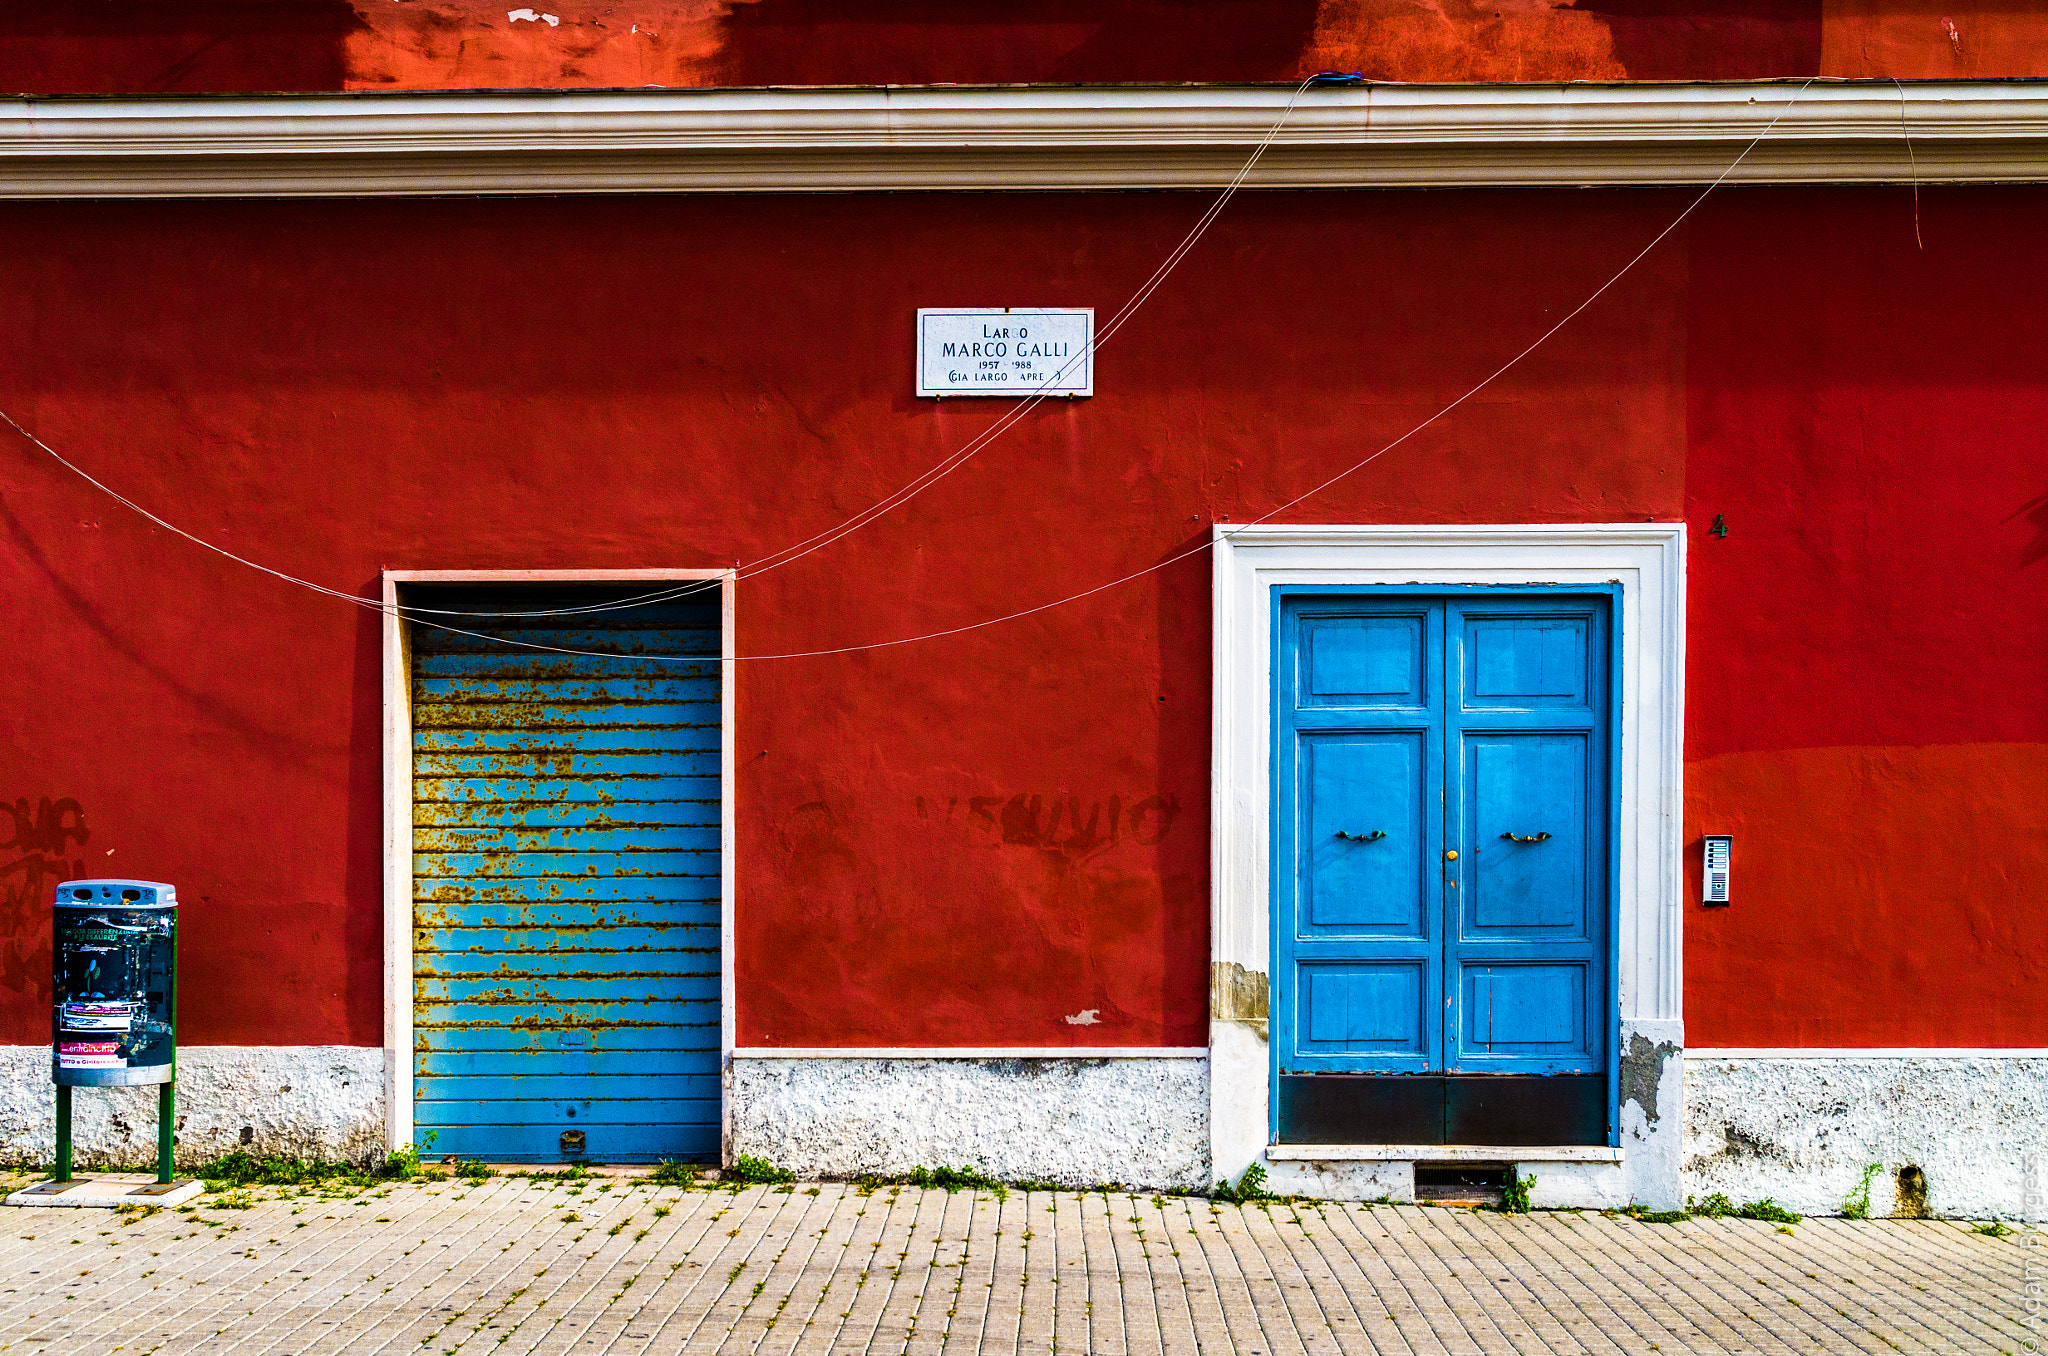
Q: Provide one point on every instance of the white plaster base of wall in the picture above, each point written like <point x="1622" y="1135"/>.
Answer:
<point x="304" y="1101"/>
<point x="1141" y="1122"/>
<point x="1577" y="1186"/>
<point x="1801" y="1130"/>
<point x="1371" y="1181"/>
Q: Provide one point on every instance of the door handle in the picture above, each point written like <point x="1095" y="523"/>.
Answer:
<point x="1362" y="837"/>
<point x="1518" y="838"/>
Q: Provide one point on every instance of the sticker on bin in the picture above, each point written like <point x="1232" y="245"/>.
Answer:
<point x="90" y="1055"/>
<point x="100" y="1016"/>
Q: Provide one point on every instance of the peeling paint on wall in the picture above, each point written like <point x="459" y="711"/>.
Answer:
<point x="1238" y="995"/>
<point x="1642" y="1073"/>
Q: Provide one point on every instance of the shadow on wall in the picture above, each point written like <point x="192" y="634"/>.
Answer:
<point x="285" y="747"/>
<point x="926" y="41"/>
<point x="2035" y="513"/>
<point x="200" y="46"/>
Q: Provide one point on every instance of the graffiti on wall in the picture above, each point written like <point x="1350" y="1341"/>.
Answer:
<point x="1063" y="823"/>
<point x="32" y="862"/>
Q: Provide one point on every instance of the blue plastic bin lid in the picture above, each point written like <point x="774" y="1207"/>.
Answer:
<point x="119" y="894"/>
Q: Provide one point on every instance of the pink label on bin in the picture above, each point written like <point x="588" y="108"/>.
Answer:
<point x="90" y="1055"/>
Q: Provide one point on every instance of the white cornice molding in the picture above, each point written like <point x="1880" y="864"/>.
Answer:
<point x="1014" y="138"/>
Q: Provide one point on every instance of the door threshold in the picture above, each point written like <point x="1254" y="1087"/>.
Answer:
<point x="1442" y="1153"/>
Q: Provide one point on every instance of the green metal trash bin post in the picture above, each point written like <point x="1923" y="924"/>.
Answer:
<point x="115" y="988"/>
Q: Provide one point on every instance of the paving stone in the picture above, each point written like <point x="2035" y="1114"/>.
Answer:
<point x="514" y="1267"/>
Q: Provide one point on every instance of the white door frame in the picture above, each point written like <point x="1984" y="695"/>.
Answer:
<point x="398" y="848"/>
<point x="1647" y="562"/>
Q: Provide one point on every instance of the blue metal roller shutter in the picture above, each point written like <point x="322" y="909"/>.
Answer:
<point x="566" y="819"/>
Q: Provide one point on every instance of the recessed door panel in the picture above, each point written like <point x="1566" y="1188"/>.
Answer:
<point x="1523" y="660"/>
<point x="1361" y="661"/>
<point x="1526" y="841"/>
<point x="1361" y="848"/>
<point x="1530" y="1011"/>
<point x="1376" y="1008"/>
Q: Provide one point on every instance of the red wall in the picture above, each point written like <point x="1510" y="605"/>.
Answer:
<point x="1868" y="695"/>
<point x="139" y="47"/>
<point x="334" y="388"/>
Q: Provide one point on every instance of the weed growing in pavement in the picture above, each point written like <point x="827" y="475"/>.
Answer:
<point x="1996" y="1228"/>
<point x="672" y="1173"/>
<point x="314" y="1176"/>
<point x="1718" y="1206"/>
<point x="1856" y="1205"/>
<point x="1769" y="1211"/>
<point x="747" y="1170"/>
<point x="1514" y="1194"/>
<point x="1250" y="1187"/>
<point x="950" y="1180"/>
<point x="575" y="1172"/>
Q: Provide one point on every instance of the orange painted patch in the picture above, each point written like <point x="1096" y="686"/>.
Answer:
<point x="1882" y="896"/>
<point x="1426" y="40"/>
<point x="1910" y="40"/>
<point x="468" y="44"/>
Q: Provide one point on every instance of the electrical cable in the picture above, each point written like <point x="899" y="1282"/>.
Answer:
<point x="1017" y="412"/>
<point x="1159" y="276"/>
<point x="846" y="527"/>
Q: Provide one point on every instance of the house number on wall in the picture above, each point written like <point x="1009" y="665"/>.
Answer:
<point x="1005" y="351"/>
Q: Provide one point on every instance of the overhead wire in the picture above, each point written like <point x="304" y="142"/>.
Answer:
<point x="1356" y="466"/>
<point x="945" y="467"/>
<point x="817" y="541"/>
<point x="1012" y="416"/>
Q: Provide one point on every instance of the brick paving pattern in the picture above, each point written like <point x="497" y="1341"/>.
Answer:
<point x="618" y="1264"/>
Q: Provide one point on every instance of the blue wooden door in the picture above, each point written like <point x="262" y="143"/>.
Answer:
<point x="1440" y="869"/>
<point x="566" y="834"/>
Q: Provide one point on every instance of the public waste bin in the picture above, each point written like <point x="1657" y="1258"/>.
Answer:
<point x="114" y="1010"/>
<point x="116" y="980"/>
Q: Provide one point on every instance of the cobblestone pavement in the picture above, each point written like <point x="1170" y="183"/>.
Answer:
<point x="614" y="1264"/>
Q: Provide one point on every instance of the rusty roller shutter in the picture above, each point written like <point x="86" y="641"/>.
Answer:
<point x="566" y="877"/>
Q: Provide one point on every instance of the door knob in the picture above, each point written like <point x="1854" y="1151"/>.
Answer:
<point x="1451" y="856"/>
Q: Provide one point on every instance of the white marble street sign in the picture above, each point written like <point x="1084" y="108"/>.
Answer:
<point x="1004" y="351"/>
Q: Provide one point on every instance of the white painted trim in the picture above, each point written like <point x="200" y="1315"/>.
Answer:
<point x="398" y="853"/>
<point x="1647" y="561"/>
<point x="397" y="876"/>
<point x="1019" y="138"/>
<point x="1852" y="1052"/>
<point x="1442" y="1153"/>
<point x="974" y="1052"/>
<point x="728" y="842"/>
